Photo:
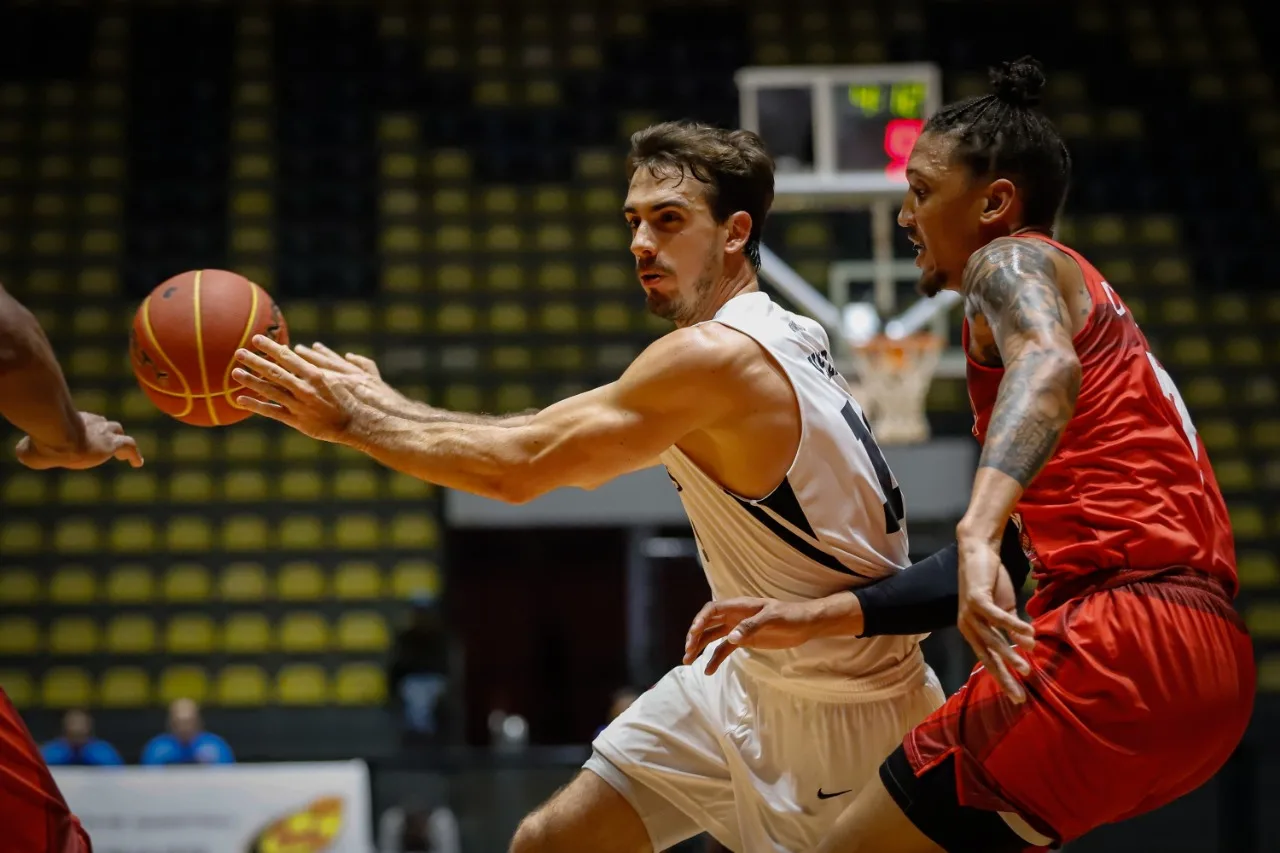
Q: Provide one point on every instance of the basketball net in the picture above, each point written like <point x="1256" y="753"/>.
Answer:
<point x="894" y="375"/>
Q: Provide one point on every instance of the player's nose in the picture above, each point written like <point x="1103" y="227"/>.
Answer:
<point x="642" y="244"/>
<point x="906" y="217"/>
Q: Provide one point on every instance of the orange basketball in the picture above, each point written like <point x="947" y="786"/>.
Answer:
<point x="184" y="339"/>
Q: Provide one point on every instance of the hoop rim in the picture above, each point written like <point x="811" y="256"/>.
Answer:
<point x="917" y="342"/>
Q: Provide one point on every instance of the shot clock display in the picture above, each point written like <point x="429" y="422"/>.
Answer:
<point x="839" y="129"/>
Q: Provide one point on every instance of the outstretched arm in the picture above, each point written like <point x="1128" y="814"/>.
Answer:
<point x="686" y="381"/>
<point x="34" y="397"/>
<point x="1013" y="284"/>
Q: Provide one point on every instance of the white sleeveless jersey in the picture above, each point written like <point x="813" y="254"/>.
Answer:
<point x="836" y="521"/>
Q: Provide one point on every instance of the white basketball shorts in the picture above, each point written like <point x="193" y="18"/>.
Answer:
<point x="757" y="766"/>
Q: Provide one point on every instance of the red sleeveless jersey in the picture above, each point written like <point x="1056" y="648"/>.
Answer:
<point x="1129" y="491"/>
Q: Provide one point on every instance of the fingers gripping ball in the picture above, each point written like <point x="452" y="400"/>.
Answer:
<point x="184" y="339"/>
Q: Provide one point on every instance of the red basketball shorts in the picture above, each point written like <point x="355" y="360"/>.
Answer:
<point x="34" y="818"/>
<point x="1138" y="694"/>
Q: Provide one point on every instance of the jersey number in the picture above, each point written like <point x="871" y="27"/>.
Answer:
<point x="893" y="510"/>
<point x="1171" y="392"/>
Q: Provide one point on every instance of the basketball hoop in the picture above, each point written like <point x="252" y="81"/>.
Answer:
<point x="894" y="375"/>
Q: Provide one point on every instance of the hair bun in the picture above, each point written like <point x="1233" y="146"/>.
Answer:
<point x="1018" y="83"/>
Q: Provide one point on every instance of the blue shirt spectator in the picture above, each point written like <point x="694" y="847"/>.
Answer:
<point x="186" y="742"/>
<point x="78" y="746"/>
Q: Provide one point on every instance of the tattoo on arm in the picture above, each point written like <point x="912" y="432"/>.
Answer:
<point x="1013" y="284"/>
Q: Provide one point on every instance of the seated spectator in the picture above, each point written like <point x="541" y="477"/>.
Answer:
<point x="419" y="667"/>
<point x="186" y="742"/>
<point x="78" y="746"/>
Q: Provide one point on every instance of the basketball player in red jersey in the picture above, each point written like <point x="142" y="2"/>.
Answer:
<point x="1139" y="682"/>
<point x="34" y="397"/>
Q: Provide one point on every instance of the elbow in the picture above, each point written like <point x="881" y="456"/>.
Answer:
<point x="517" y="487"/>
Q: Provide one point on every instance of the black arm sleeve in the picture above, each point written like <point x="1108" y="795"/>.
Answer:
<point x="925" y="596"/>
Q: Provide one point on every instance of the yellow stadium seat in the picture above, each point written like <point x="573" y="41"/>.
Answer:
<point x="607" y="238"/>
<point x="73" y="635"/>
<point x="1233" y="475"/>
<point x="1204" y="392"/>
<point x="133" y="535"/>
<point x="360" y="684"/>
<point x="135" y="487"/>
<point x="598" y="164"/>
<point x="300" y="580"/>
<point x="612" y="317"/>
<point x="80" y="487"/>
<point x="191" y="446"/>
<point x="25" y="488"/>
<point x="1263" y="619"/>
<point x="246" y="443"/>
<point x="302" y="485"/>
<point x="1260" y="391"/>
<point x="1244" y="350"/>
<point x="20" y="536"/>
<point x="246" y="486"/>
<point x="362" y="631"/>
<point x="357" y="532"/>
<point x="451" y="165"/>
<point x="130" y="585"/>
<point x="66" y="687"/>
<point x="557" y="276"/>
<point x="190" y="634"/>
<point x="183" y="681"/>
<point x="406" y="488"/>
<point x="187" y="582"/>
<point x="1258" y="569"/>
<point x="550" y="200"/>
<point x="462" y="398"/>
<point x="76" y="535"/>
<point x="508" y="278"/>
<point x="508" y="317"/>
<point x="124" y="687"/>
<point x="241" y="686"/>
<point x="1230" y="309"/>
<point x="188" y="533"/>
<point x="301" y="533"/>
<point x="1182" y="310"/>
<point x="244" y="533"/>
<point x="134" y="404"/>
<point x="412" y="578"/>
<point x="355" y="484"/>
<point x="301" y="684"/>
<point x="413" y="530"/>
<point x="1219" y="434"/>
<point x="297" y="447"/>
<point x="191" y="487"/>
<point x="357" y="580"/>
<point x="17" y="685"/>
<point x="246" y="633"/>
<point x="1191" y="351"/>
<point x="1247" y="522"/>
<point x="131" y="634"/>
<point x="243" y="582"/>
<point x="559" y="317"/>
<point x="19" y="635"/>
<point x="73" y="585"/>
<point x="303" y="633"/>
<point x="1269" y="673"/>
<point x="18" y="586"/>
<point x="1265" y="434"/>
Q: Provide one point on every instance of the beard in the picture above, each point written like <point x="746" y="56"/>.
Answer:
<point x="683" y="309"/>
<point x="932" y="283"/>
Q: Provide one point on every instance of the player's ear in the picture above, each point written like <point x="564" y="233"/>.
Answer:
<point x="738" y="232"/>
<point x="999" y="200"/>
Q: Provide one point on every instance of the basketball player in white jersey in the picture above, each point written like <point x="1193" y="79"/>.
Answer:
<point x="787" y="492"/>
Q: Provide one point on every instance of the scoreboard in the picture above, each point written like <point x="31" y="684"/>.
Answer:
<point x="839" y="130"/>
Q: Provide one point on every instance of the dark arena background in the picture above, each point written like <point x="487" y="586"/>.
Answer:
<point x="438" y="185"/>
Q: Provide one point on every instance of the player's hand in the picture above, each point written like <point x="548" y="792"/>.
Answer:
<point x="369" y="385"/>
<point x="103" y="440"/>
<point x="988" y="617"/>
<point x="753" y="623"/>
<point x="317" y="401"/>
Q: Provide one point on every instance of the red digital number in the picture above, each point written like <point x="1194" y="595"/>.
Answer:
<point x="900" y="137"/>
